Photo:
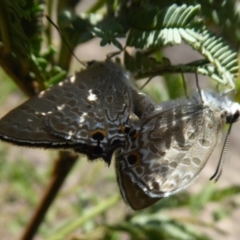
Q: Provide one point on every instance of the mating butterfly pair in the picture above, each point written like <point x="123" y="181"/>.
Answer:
<point x="159" y="149"/>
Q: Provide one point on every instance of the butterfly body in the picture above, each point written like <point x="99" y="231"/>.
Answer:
<point x="169" y="147"/>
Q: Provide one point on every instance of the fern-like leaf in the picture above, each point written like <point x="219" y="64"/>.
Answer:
<point x="176" y="24"/>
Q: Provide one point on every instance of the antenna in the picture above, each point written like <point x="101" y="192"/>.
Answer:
<point x="198" y="87"/>
<point x="222" y="159"/>
<point x="147" y="82"/>
<point x="64" y="40"/>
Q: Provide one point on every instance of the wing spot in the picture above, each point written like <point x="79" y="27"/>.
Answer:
<point x="175" y="128"/>
<point x="164" y="169"/>
<point x="72" y="103"/>
<point x="191" y="135"/>
<point x="210" y="125"/>
<point x="61" y="107"/>
<point x="134" y="134"/>
<point x="187" y="178"/>
<point x="109" y="99"/>
<point x="98" y="134"/>
<point x="82" y="117"/>
<point x="155" y="185"/>
<point x="72" y="79"/>
<point x="91" y="96"/>
<point x="132" y="159"/>
<point x="83" y="134"/>
<point x="70" y="133"/>
<point x="186" y="161"/>
<point x="173" y="164"/>
<point x="81" y="86"/>
<point x="40" y="95"/>
<point x="123" y="129"/>
<point x="51" y="98"/>
<point x="204" y="142"/>
<point x="197" y="161"/>
<point x="139" y="170"/>
<point x="127" y="130"/>
<point x="70" y="95"/>
<point x="165" y="162"/>
<point x="91" y="114"/>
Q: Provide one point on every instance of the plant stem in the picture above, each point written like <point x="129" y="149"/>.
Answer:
<point x="62" y="167"/>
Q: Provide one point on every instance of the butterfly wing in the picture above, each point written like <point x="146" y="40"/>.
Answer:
<point x="88" y="112"/>
<point x="100" y="101"/>
<point x="132" y="194"/>
<point x="26" y="124"/>
<point x="170" y="147"/>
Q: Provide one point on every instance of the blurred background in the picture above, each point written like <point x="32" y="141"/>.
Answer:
<point x="89" y="205"/>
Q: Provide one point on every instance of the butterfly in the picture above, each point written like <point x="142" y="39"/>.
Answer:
<point x="167" y="149"/>
<point x="89" y="113"/>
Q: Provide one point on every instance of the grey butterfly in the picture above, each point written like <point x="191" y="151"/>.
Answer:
<point x="168" y="148"/>
<point x="88" y="112"/>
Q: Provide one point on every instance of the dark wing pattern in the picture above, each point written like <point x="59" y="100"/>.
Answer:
<point x="87" y="112"/>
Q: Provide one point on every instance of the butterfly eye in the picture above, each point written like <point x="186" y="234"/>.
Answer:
<point x="233" y="117"/>
<point x="236" y="116"/>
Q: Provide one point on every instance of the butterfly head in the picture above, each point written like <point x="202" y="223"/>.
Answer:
<point x="229" y="110"/>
